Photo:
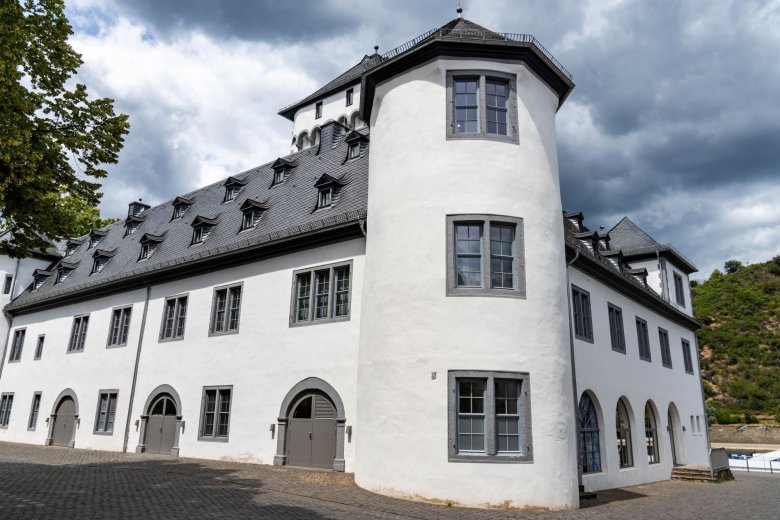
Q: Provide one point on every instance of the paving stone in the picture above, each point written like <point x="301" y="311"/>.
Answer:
<point x="39" y="482"/>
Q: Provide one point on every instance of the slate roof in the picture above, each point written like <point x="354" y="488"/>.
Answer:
<point x="55" y="250"/>
<point x="634" y="242"/>
<point x="291" y="211"/>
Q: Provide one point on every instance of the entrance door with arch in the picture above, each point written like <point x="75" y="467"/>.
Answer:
<point x="311" y="432"/>
<point x="161" y="426"/>
<point x="64" y="426"/>
<point x="675" y="435"/>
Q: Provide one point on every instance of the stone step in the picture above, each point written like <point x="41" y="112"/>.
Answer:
<point x="700" y="474"/>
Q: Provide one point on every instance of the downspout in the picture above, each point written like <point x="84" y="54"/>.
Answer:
<point x="135" y="369"/>
<point x="573" y="368"/>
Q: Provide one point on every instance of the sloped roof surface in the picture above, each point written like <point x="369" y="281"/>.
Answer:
<point x="292" y="210"/>
<point x="627" y="235"/>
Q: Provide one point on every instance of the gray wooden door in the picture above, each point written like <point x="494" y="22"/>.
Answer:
<point x="311" y="433"/>
<point x="64" y="422"/>
<point x="671" y="428"/>
<point x="161" y="426"/>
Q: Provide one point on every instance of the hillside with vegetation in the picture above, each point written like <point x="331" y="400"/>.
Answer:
<point x="740" y="340"/>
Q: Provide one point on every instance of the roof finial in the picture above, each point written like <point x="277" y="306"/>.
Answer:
<point x="376" y="46"/>
<point x="459" y="10"/>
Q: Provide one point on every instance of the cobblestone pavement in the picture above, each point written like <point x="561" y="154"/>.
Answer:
<point x="59" y="483"/>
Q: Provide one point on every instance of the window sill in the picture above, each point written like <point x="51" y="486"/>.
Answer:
<point x="669" y="367"/>
<point x="649" y="360"/>
<point x="168" y="340"/>
<point x="479" y="291"/>
<point x="619" y="351"/>
<point x="583" y="338"/>
<point x="319" y="322"/>
<point x="104" y="434"/>
<point x="75" y="351"/>
<point x="31" y="429"/>
<point x="213" y="439"/>
<point x="484" y="137"/>
<point x="121" y="345"/>
<point x="499" y="459"/>
<point x="223" y="333"/>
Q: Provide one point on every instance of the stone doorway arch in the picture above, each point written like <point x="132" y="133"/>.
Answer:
<point x="323" y="401"/>
<point x="64" y="420"/>
<point x="161" y="422"/>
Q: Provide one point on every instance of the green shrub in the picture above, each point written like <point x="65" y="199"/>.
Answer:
<point x="723" y="416"/>
<point x="750" y="418"/>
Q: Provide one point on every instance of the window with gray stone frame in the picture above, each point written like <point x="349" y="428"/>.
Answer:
<point x="215" y="413"/>
<point x="8" y="283"/>
<point x="350" y="96"/>
<point x="106" y="412"/>
<point x="226" y="310"/>
<point x="35" y="407"/>
<point x="616" y="333"/>
<point x="120" y="327"/>
<point x="666" y="353"/>
<point x="687" y="359"/>
<point x="174" y="318"/>
<point x="489" y="416"/>
<point x="17" y="345"/>
<point x="678" y="290"/>
<point x="643" y="339"/>
<point x="321" y="294"/>
<point x="318" y="110"/>
<point x="39" y="347"/>
<point x="485" y="256"/>
<point x="6" y="402"/>
<point x="78" y="334"/>
<point x="482" y="104"/>
<point x="581" y="315"/>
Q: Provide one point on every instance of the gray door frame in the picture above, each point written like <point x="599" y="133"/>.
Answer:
<point x="307" y="385"/>
<point x="68" y="392"/>
<point x="153" y="395"/>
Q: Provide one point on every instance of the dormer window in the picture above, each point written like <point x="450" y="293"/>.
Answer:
<point x="131" y="227"/>
<point x="282" y="169"/>
<point x="39" y="278"/>
<point x="99" y="263"/>
<point x="279" y="175"/>
<point x="149" y="245"/>
<point x="233" y="187"/>
<point x="95" y="238"/>
<point x="354" y="142"/>
<point x="180" y="206"/>
<point x="318" y="110"/>
<point x="201" y="227"/>
<point x="253" y="210"/>
<point x="326" y="197"/>
<point x="71" y="248"/>
<point x="354" y="150"/>
<point x="62" y="274"/>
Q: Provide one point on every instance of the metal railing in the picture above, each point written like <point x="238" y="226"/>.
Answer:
<point x="755" y="465"/>
<point x="484" y="36"/>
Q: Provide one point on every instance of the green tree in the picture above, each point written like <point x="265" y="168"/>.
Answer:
<point x="732" y="266"/>
<point x="54" y="140"/>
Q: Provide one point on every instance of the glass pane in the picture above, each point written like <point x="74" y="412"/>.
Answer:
<point x="303" y="410"/>
<point x="158" y="407"/>
<point x="170" y="407"/>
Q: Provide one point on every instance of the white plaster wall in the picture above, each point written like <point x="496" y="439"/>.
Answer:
<point x="23" y="278"/>
<point x="96" y="367"/>
<point x="411" y="329"/>
<point x="333" y="107"/>
<point x="655" y="278"/>
<point x="262" y="362"/>
<point x="610" y="375"/>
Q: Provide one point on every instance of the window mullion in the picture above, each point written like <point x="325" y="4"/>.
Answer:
<point x="482" y="110"/>
<point x="485" y="262"/>
<point x="490" y="416"/>
<point x="331" y="292"/>
<point x="312" y="294"/>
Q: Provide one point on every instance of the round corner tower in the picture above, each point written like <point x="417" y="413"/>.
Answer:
<point x="464" y="365"/>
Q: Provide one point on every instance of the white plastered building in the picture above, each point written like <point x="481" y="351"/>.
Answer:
<point x="401" y="296"/>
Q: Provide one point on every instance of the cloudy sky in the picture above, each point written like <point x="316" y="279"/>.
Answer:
<point x="675" y="119"/>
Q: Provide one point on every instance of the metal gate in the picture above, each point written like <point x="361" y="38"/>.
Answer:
<point x="161" y="426"/>
<point x="64" y="423"/>
<point x="311" y="433"/>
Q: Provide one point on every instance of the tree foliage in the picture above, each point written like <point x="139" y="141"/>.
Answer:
<point x="54" y="140"/>
<point x="740" y="340"/>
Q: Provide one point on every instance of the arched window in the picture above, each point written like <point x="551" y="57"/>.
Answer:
<point x="590" y="448"/>
<point x="623" y="430"/>
<point x="303" y="141"/>
<point x="343" y="121"/>
<point x="355" y="121"/>
<point x="315" y="137"/>
<point x="651" y="435"/>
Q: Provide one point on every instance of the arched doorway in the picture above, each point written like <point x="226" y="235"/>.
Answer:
<point x="311" y="427"/>
<point x="590" y="433"/>
<point x="675" y="434"/>
<point x="161" y="422"/>
<point x="63" y="420"/>
<point x="311" y="432"/>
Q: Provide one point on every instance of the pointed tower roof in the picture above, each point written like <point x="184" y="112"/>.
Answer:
<point x="627" y="235"/>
